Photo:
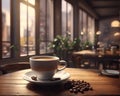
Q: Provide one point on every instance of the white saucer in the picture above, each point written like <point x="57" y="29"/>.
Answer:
<point x="61" y="74"/>
<point x="110" y="72"/>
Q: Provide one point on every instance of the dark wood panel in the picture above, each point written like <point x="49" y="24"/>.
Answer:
<point x="109" y="5"/>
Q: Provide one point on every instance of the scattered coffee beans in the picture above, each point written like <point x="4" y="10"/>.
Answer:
<point x="77" y="86"/>
<point x="34" y="78"/>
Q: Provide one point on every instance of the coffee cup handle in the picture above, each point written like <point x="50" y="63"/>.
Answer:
<point x="64" y="63"/>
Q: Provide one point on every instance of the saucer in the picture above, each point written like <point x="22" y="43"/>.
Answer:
<point x="110" y="72"/>
<point x="62" y="75"/>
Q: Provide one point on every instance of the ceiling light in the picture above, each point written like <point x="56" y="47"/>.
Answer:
<point x="115" y="23"/>
<point x="116" y="34"/>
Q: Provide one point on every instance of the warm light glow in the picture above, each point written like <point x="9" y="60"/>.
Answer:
<point x="90" y="32"/>
<point x="116" y="34"/>
<point x="32" y="1"/>
<point x="115" y="23"/>
<point x="98" y="43"/>
<point x="82" y="33"/>
<point x="98" y="32"/>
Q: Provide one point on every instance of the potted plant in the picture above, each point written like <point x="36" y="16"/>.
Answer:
<point x="63" y="46"/>
<point x="76" y="44"/>
<point x="60" y="45"/>
<point x="87" y="45"/>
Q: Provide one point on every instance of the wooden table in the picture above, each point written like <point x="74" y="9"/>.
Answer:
<point x="85" y="55"/>
<point x="95" y="57"/>
<point x="13" y="84"/>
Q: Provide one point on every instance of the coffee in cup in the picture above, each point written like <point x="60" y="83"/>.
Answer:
<point x="45" y="67"/>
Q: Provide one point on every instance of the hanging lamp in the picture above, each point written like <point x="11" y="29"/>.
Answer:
<point x="116" y="23"/>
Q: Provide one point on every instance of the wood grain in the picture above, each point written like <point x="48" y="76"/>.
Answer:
<point x="13" y="84"/>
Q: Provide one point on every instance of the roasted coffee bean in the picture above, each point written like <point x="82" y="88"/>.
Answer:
<point x="86" y="89"/>
<point x="78" y="89"/>
<point x="82" y="81"/>
<point x="88" y="85"/>
<point x="73" y="81"/>
<point x="82" y="92"/>
<point x="74" y="87"/>
<point x="78" y="86"/>
<point x="75" y="91"/>
<point x="34" y="78"/>
<point x="90" y="88"/>
<point x="71" y="90"/>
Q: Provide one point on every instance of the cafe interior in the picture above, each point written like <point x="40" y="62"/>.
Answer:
<point x="84" y="33"/>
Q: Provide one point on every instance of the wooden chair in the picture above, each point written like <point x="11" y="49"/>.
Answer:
<point x="7" y="68"/>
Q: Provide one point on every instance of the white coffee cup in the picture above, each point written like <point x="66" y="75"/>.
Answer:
<point x="44" y="67"/>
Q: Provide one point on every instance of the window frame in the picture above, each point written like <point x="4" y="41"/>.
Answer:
<point x="15" y="35"/>
<point x="0" y="30"/>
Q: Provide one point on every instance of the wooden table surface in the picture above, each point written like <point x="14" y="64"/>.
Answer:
<point x="14" y="84"/>
<point x="93" y="53"/>
<point x="96" y="57"/>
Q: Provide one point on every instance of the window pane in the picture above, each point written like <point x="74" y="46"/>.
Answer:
<point x="48" y="47"/>
<point x="31" y="30"/>
<point x="84" y="26"/>
<point x="80" y="22"/>
<point x="46" y="25"/>
<point x="91" y="32"/>
<point x="49" y="21"/>
<point x="64" y="23"/>
<point x="89" y="28"/>
<point x="23" y="29"/>
<point x="27" y="30"/>
<point x="42" y="20"/>
<point x="6" y="28"/>
<point x="32" y="1"/>
<point x="43" y="26"/>
<point x="70" y="21"/>
<point x="67" y="19"/>
<point x="42" y="47"/>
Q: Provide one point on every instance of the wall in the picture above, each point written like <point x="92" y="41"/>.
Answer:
<point x="107" y="33"/>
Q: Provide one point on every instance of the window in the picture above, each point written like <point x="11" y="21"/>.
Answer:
<point x="80" y="22"/>
<point x="31" y="1"/>
<point x="86" y="27"/>
<point x="27" y="29"/>
<point x="6" y="33"/>
<point x="67" y="19"/>
<point x="23" y="24"/>
<point x="46" y="25"/>
<point x="24" y="20"/>
<point x="91" y="32"/>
